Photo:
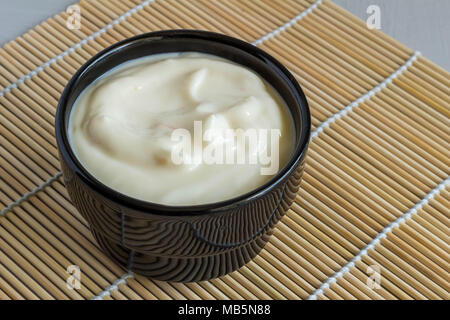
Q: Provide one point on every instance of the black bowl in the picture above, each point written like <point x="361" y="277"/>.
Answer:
<point x="184" y="243"/>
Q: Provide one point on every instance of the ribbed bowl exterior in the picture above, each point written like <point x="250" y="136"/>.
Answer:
<point x="183" y="248"/>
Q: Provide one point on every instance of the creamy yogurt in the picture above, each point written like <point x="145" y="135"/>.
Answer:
<point x="121" y="127"/>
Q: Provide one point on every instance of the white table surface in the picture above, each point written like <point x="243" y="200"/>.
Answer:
<point x="422" y="25"/>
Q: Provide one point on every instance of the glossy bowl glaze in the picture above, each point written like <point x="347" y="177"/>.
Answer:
<point x="183" y="243"/>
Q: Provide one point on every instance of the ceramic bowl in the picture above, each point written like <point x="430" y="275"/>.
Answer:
<point x="184" y="243"/>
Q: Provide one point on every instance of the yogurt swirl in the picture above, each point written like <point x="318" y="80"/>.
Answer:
<point x="121" y="126"/>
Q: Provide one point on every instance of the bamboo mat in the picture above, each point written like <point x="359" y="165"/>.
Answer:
<point x="375" y="194"/>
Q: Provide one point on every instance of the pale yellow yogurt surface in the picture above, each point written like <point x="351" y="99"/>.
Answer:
<point x="121" y="127"/>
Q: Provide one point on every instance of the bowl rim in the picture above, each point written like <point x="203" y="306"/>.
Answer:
<point x="148" y="207"/>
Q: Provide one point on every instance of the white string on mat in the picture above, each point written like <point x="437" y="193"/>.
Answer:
<point x="371" y="245"/>
<point x="366" y="96"/>
<point x="29" y="194"/>
<point x="288" y="24"/>
<point x="114" y="286"/>
<point x="110" y="25"/>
